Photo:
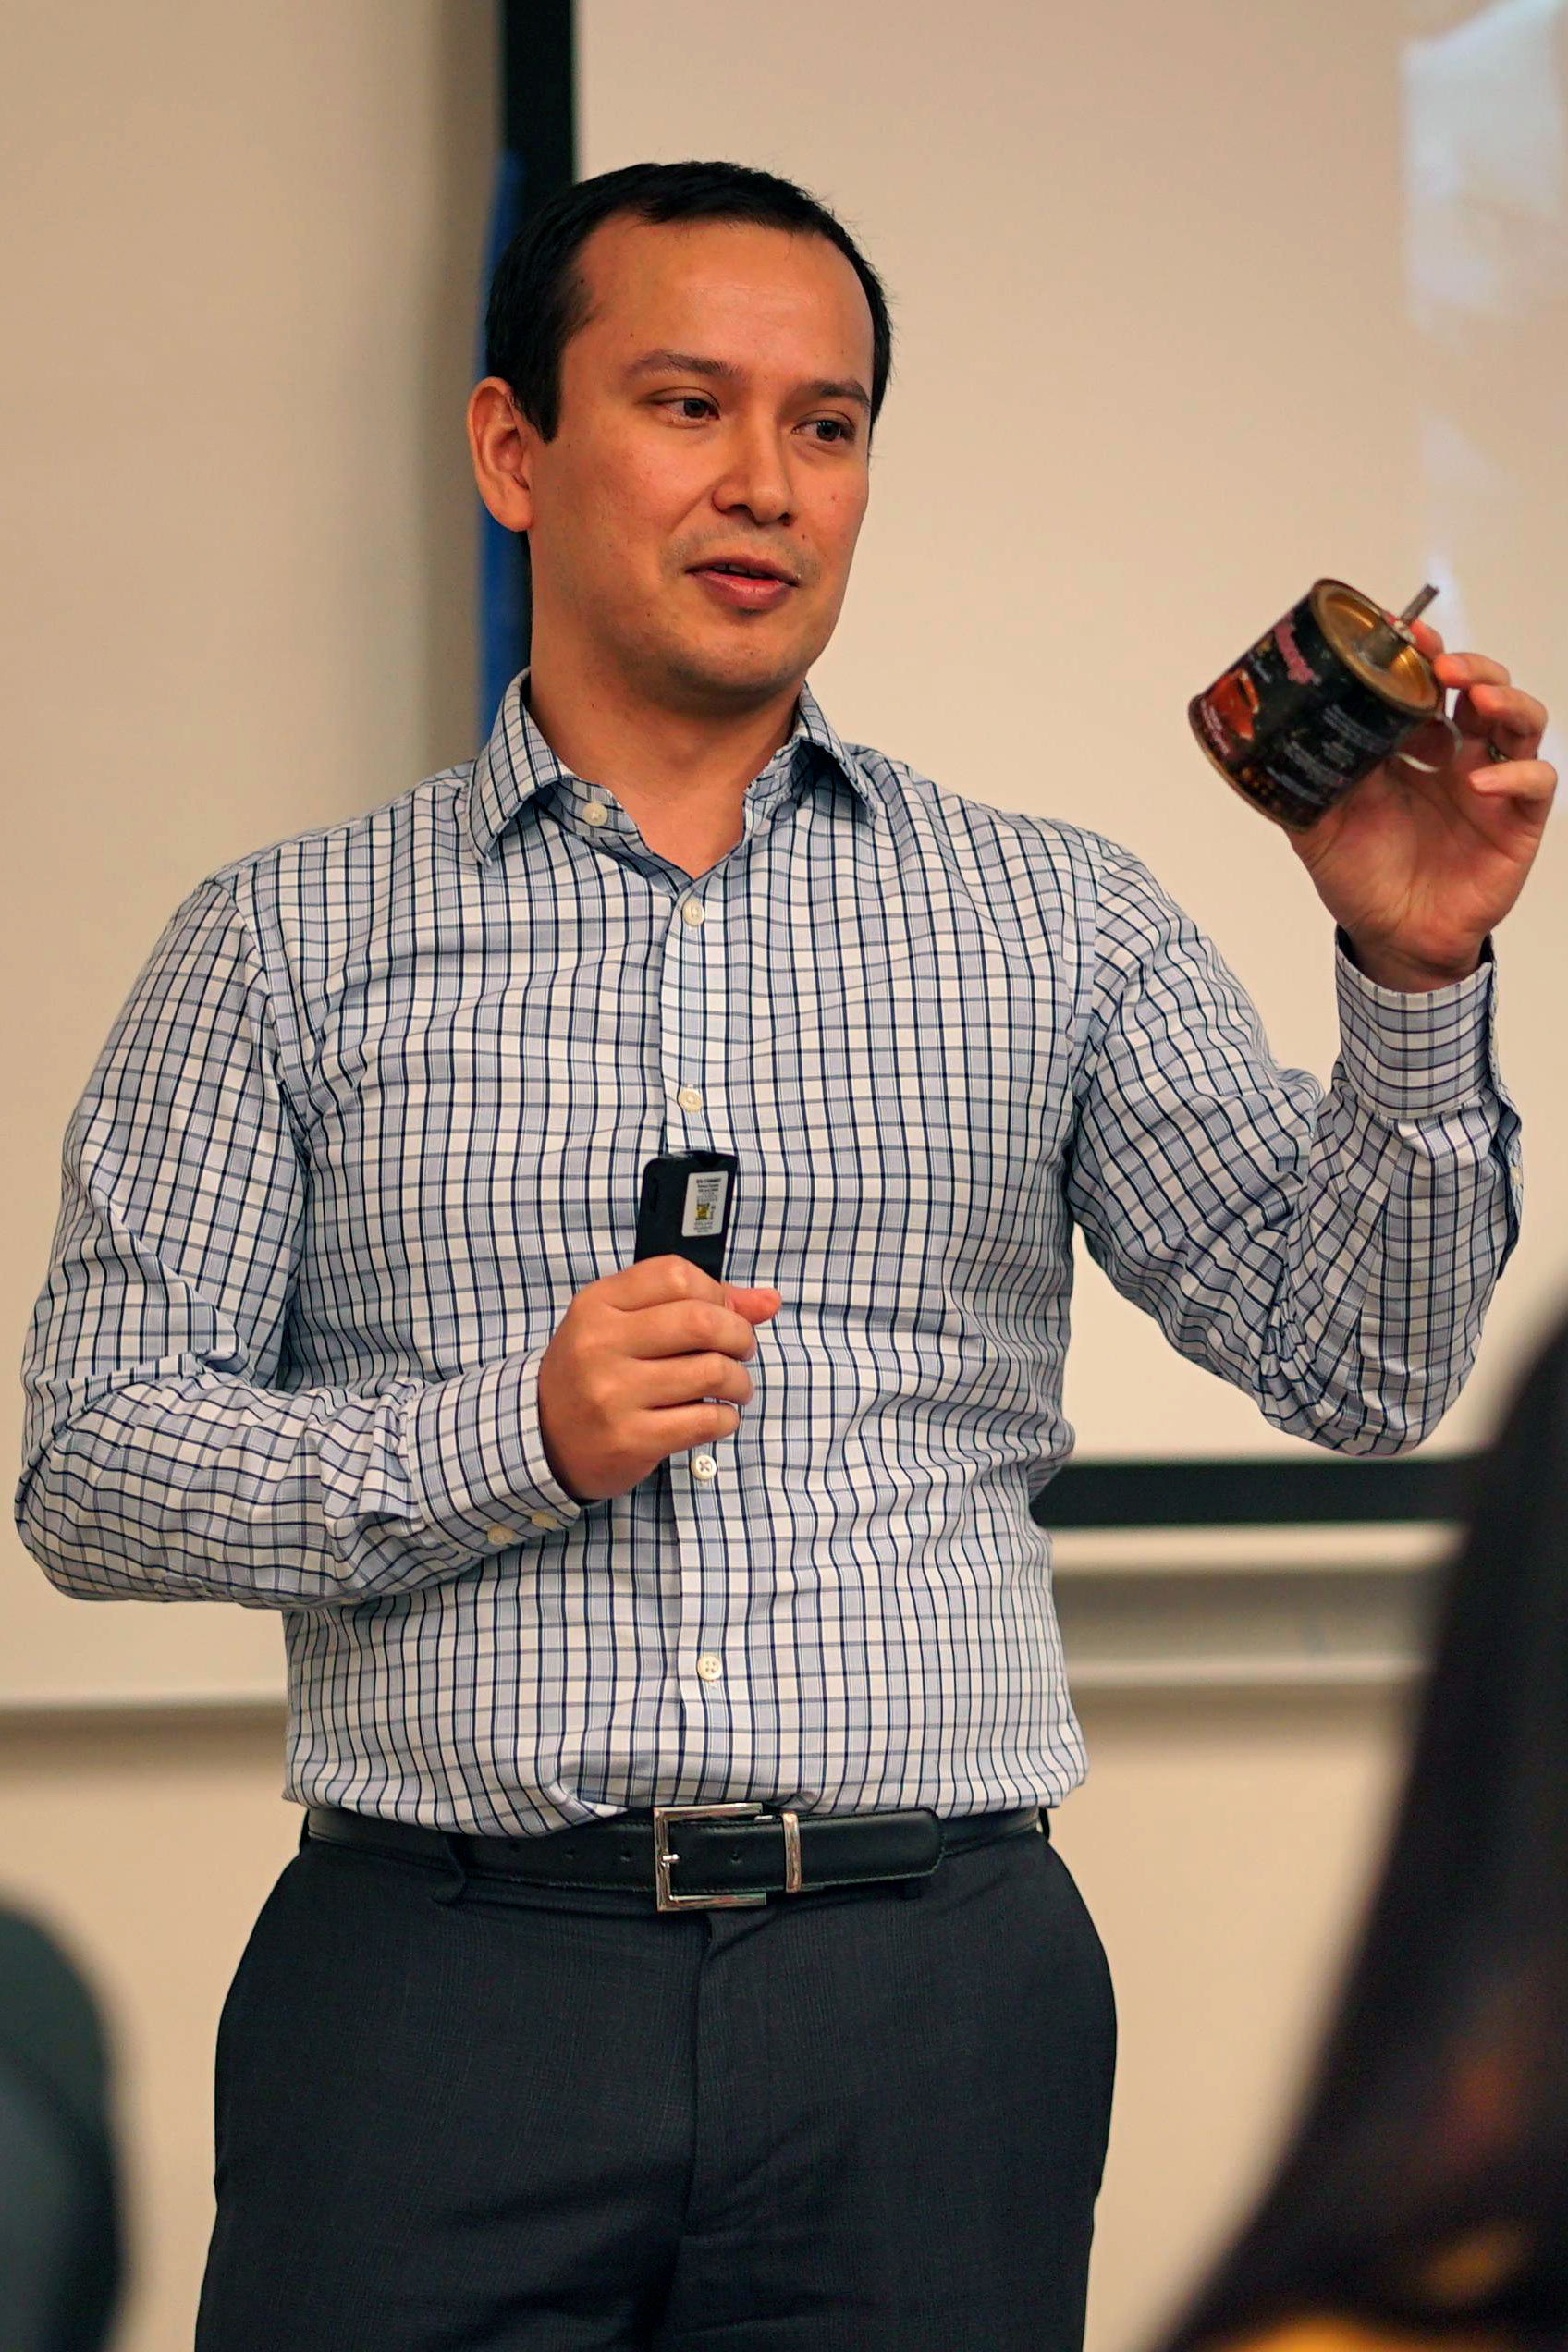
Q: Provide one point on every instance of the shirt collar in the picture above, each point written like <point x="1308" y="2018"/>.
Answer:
<point x="517" y="764"/>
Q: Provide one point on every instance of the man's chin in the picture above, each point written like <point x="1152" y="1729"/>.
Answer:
<point x="737" y="676"/>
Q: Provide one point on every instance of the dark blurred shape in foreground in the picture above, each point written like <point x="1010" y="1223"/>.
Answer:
<point x="59" y="2224"/>
<point x="1425" y="2192"/>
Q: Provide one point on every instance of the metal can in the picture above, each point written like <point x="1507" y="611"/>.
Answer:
<point x="1334" y="688"/>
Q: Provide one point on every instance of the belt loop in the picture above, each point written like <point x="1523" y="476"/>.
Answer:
<point x="456" y="1881"/>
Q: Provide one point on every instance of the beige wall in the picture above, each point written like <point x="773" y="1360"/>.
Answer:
<point x="1223" y="1842"/>
<point x="243" y="251"/>
<point x="242" y="244"/>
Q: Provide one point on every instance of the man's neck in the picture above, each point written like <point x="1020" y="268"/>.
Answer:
<point x="681" y="777"/>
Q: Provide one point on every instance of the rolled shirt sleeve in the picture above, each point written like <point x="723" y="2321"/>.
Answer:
<point x="163" y="1457"/>
<point x="1331" y="1252"/>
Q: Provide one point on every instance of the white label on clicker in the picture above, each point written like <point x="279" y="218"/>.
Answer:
<point x="705" y="1204"/>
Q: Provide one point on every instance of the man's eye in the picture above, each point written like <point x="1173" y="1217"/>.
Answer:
<point x="838" y="429"/>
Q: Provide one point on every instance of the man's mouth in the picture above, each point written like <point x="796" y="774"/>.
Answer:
<point x="742" y="568"/>
<point x="744" y="587"/>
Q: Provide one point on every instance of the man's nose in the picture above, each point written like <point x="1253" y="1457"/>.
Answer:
<point x="757" y="476"/>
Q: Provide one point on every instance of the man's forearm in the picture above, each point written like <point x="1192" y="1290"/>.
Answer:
<point x="208" y="1488"/>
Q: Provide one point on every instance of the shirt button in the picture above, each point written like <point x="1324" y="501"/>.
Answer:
<point x="542" y="1519"/>
<point x="692" y="913"/>
<point x="703" y="1466"/>
<point x="690" y="1098"/>
<point x="596" y="813"/>
<point x="709" y="1667"/>
<point x="499" y="1535"/>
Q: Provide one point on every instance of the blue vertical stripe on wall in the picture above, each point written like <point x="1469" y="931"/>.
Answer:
<point x="502" y="604"/>
<point x="538" y="157"/>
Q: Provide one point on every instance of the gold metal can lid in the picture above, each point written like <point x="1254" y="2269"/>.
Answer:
<point x="1347" y="619"/>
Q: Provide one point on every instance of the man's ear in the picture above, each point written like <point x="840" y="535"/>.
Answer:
<point x="501" y="441"/>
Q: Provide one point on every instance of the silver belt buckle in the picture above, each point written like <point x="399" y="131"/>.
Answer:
<point x="664" y="1896"/>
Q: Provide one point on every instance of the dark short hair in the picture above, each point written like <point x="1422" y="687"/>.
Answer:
<point x="539" y="300"/>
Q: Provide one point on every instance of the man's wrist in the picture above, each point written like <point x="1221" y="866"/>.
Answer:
<point x="1413" y="1053"/>
<point x="1387" y="969"/>
<point x="480" y="1474"/>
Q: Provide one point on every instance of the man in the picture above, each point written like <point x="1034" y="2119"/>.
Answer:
<point x="344" y="1321"/>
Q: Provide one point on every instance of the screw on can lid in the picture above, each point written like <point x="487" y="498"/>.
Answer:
<point x="1380" y="652"/>
<point x="1389" y="635"/>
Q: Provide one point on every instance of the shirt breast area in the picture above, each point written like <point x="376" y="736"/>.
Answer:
<point x="887" y="1052"/>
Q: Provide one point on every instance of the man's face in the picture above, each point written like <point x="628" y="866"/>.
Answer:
<point x="661" y="466"/>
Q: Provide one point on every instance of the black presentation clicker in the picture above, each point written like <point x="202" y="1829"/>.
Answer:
<point x="686" y="1208"/>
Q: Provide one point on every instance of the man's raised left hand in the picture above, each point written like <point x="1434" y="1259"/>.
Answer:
<point x="1419" y="868"/>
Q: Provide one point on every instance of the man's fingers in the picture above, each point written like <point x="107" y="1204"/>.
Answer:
<point x="1471" y="669"/>
<point x="687" y="1327"/>
<point x="1514" y="720"/>
<point x="682" y="1379"/>
<point x="1531" y="782"/>
<point x="652" y="1281"/>
<point x="757" y="1303"/>
<point x="679" y="1427"/>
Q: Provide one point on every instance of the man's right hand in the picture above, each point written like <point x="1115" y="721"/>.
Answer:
<point x="624" y="1382"/>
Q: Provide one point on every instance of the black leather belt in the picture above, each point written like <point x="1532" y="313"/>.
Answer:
<point x="727" y="1854"/>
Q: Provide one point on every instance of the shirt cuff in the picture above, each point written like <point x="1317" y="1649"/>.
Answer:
<point x="475" y="1457"/>
<point x="1421" y="1055"/>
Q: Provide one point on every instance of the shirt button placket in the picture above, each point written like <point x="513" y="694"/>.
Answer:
<point x="693" y="994"/>
<point x="688" y="972"/>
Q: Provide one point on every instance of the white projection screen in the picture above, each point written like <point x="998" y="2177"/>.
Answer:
<point x="1192" y="306"/>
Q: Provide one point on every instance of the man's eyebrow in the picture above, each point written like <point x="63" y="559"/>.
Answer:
<point x="821" y="387"/>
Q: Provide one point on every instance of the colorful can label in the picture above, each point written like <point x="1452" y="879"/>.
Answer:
<point x="1307" y="711"/>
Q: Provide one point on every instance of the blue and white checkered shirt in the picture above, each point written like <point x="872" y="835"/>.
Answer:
<point x="379" y="1105"/>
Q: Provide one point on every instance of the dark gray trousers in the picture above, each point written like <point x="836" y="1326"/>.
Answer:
<point x="457" y="2119"/>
